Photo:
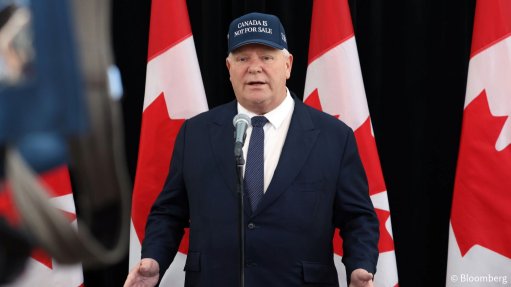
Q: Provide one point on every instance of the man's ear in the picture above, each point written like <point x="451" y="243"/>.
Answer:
<point x="289" y="66"/>
<point x="227" y="63"/>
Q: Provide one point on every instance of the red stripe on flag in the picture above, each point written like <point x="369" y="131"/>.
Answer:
<point x="169" y="26"/>
<point x="331" y="25"/>
<point x="492" y="23"/>
<point x="157" y="137"/>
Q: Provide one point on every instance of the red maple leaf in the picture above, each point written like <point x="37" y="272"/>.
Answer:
<point x="481" y="212"/>
<point x="369" y="156"/>
<point x="57" y="181"/>
<point x="43" y="257"/>
<point x="314" y="101"/>
<point x="158" y="134"/>
<point x="386" y="242"/>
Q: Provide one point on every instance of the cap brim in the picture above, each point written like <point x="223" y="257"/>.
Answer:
<point x="256" y="41"/>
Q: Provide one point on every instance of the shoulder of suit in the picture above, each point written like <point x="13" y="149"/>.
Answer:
<point x="215" y="114"/>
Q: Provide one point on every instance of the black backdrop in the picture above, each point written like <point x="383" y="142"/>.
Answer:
<point x="414" y="56"/>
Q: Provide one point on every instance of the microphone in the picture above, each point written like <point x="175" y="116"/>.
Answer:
<point x="241" y="123"/>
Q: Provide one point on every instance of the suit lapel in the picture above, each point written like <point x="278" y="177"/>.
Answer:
<point x="222" y="141"/>
<point x="300" y="139"/>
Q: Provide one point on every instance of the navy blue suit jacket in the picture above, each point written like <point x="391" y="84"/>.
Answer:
<point x="319" y="184"/>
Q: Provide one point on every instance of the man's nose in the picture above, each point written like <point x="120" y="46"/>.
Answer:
<point x="255" y="67"/>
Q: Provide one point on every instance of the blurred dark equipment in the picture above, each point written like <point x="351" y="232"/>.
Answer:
<point x="59" y="104"/>
<point x="14" y="249"/>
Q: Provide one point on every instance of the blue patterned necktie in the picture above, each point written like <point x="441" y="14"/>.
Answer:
<point x="254" y="170"/>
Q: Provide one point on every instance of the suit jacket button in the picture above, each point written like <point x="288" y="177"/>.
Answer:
<point x="251" y="225"/>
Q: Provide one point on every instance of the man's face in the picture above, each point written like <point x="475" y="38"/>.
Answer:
<point x="258" y="75"/>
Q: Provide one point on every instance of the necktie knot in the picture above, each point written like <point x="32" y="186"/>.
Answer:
<point x="259" y="121"/>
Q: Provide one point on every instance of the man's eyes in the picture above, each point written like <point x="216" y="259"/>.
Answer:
<point x="263" y="58"/>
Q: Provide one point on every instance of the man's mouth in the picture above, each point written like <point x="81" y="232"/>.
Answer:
<point x="255" y="83"/>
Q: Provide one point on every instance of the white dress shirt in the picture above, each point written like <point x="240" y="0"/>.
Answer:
<point x="275" y="132"/>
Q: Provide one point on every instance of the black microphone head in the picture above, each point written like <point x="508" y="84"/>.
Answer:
<point x="241" y="117"/>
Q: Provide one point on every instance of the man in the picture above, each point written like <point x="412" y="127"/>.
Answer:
<point x="310" y="181"/>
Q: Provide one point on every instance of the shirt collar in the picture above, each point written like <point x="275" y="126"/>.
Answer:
<point x="276" y="116"/>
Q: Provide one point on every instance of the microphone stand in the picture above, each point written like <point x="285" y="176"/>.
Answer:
<point x="240" y="161"/>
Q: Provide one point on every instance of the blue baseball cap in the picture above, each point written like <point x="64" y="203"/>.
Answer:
<point x="256" y="28"/>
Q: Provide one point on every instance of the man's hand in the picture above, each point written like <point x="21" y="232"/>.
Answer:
<point x="145" y="274"/>
<point x="361" y="278"/>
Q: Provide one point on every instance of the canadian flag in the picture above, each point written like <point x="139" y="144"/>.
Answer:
<point x="334" y="84"/>
<point x="480" y="229"/>
<point x="41" y="269"/>
<point x="173" y="93"/>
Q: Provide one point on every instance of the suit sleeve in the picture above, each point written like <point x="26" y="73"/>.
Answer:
<point x="355" y="215"/>
<point x="169" y="214"/>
